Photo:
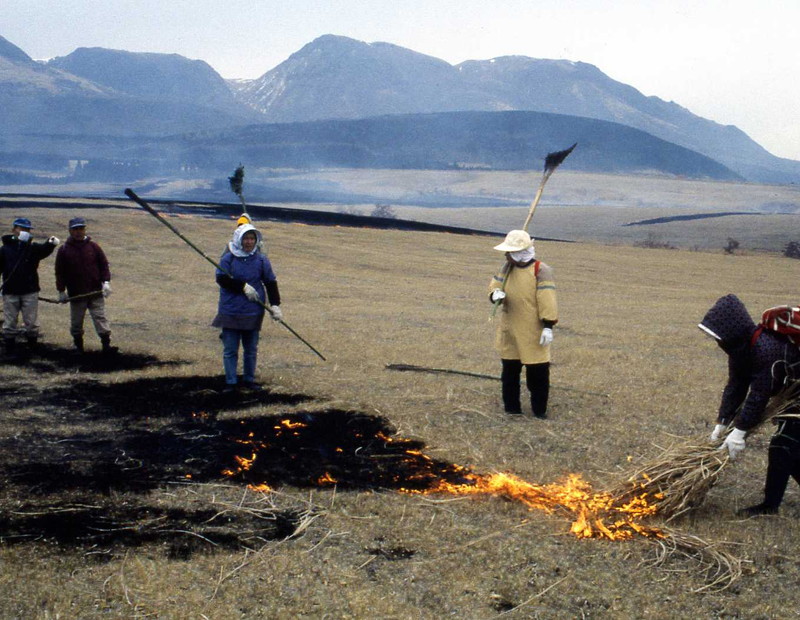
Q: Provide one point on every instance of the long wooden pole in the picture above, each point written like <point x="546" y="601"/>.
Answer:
<point x="68" y="299"/>
<point x="551" y="162"/>
<point x="448" y="371"/>
<point x="132" y="195"/>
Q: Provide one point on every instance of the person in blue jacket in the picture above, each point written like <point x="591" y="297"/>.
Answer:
<point x="247" y="286"/>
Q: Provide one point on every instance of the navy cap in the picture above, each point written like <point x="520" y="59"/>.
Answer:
<point x="22" y="222"/>
<point x="77" y="222"/>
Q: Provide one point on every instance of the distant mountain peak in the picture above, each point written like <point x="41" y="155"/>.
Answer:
<point x="9" y="51"/>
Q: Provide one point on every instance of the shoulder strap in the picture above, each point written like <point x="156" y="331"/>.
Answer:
<point x="756" y="334"/>
<point x="536" y="265"/>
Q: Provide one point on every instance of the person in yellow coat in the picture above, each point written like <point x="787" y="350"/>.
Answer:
<point x="526" y="291"/>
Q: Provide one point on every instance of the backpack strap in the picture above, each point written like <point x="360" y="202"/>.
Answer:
<point x="756" y="335"/>
<point x="536" y="265"/>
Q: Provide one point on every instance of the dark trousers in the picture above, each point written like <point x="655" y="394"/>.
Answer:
<point x="784" y="461"/>
<point x="537" y="378"/>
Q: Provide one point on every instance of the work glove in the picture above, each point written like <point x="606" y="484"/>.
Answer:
<point x="719" y="431"/>
<point x="734" y="443"/>
<point x="497" y="295"/>
<point x="251" y="293"/>
<point x="106" y="289"/>
<point x="276" y="313"/>
<point x="62" y="297"/>
<point x="53" y="241"/>
<point x="24" y="235"/>
<point x="547" y="337"/>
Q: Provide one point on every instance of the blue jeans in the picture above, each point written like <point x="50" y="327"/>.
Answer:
<point x="230" y="354"/>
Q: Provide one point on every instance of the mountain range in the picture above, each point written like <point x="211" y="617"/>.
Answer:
<point x="338" y="97"/>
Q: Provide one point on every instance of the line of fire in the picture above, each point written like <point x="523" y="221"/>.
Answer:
<point x="369" y="456"/>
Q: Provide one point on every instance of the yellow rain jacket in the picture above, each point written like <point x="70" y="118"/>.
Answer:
<point x="530" y="298"/>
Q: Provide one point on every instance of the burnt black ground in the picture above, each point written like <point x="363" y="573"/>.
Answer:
<point x="47" y="358"/>
<point x="140" y="399"/>
<point x="82" y="474"/>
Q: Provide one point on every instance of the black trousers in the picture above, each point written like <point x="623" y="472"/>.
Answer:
<point x="783" y="463"/>
<point x="537" y="378"/>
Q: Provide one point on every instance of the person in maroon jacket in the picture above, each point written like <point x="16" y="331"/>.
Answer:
<point x="83" y="278"/>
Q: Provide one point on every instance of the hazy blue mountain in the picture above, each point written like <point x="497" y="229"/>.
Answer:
<point x="338" y="77"/>
<point x="43" y="99"/>
<point x="11" y="52"/>
<point x="491" y="140"/>
<point x="161" y="77"/>
<point x="87" y="104"/>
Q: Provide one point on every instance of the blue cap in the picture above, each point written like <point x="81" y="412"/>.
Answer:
<point x="22" y="222"/>
<point x="77" y="222"/>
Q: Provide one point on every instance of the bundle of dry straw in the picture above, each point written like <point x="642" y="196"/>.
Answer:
<point x="680" y="477"/>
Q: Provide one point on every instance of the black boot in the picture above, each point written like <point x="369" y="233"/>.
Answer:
<point x="105" y="339"/>
<point x="78" y="340"/>
<point x="33" y="344"/>
<point x="758" y="510"/>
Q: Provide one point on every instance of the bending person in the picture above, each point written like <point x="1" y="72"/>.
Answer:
<point x="759" y="364"/>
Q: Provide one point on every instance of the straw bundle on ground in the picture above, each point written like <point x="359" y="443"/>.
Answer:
<point x="679" y="479"/>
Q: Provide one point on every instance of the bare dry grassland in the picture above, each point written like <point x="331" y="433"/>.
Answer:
<point x="631" y="373"/>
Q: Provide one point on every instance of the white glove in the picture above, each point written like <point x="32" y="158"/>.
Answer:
<point x="276" y="313"/>
<point x="106" y="289"/>
<point x="24" y="235"/>
<point x="62" y="297"/>
<point x="54" y="240"/>
<point x="498" y="295"/>
<point x="251" y="293"/>
<point x="547" y="337"/>
<point x="734" y="443"/>
<point x="719" y="431"/>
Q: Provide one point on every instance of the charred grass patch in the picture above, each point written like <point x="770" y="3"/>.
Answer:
<point x="100" y="527"/>
<point x="139" y="399"/>
<point x="47" y="358"/>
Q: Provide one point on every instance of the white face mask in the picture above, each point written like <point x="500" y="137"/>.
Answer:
<point x="24" y="236"/>
<point x="524" y="256"/>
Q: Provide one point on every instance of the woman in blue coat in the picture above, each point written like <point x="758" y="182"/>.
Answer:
<point x="247" y="286"/>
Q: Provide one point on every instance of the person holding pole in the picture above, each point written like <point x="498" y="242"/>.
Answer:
<point x="83" y="279"/>
<point x="526" y="292"/>
<point x="246" y="280"/>
<point x="19" y="264"/>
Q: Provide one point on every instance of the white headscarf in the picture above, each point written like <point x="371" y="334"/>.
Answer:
<point x="524" y="256"/>
<point x="235" y="245"/>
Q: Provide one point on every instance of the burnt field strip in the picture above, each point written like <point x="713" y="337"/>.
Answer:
<point x="90" y="474"/>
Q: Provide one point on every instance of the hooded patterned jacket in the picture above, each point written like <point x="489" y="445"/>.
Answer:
<point x="758" y="363"/>
<point x="239" y="267"/>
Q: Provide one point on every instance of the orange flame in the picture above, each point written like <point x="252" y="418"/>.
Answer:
<point x="594" y="514"/>
<point x="326" y="479"/>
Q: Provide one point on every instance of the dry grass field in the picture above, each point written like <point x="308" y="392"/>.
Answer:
<point x="113" y="502"/>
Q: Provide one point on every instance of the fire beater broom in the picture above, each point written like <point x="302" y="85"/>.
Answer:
<point x="551" y="162"/>
<point x="132" y="195"/>
<point x="237" y="184"/>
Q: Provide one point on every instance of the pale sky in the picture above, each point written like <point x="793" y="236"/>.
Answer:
<point x="735" y="62"/>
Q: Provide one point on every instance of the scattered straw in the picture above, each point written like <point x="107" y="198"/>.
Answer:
<point x="719" y="567"/>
